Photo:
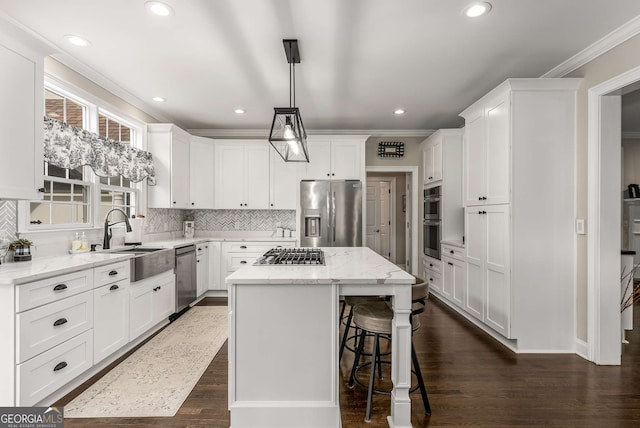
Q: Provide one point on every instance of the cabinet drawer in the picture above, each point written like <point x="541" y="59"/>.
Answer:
<point x="47" y="326"/>
<point x="111" y="273"/>
<point x="236" y="261"/>
<point x="255" y="247"/>
<point x="49" y="290"/>
<point x="453" y="252"/>
<point x="44" y="374"/>
<point x="432" y="264"/>
<point x="434" y="279"/>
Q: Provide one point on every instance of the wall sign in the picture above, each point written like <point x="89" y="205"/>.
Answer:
<point x="390" y="149"/>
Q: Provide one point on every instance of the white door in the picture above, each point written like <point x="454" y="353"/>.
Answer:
<point x="474" y="160"/>
<point x="475" y="241"/>
<point x="179" y="171"/>
<point x="345" y="160"/>
<point x="437" y="160"/>
<point x="379" y="217"/>
<point x="497" y="151"/>
<point x="285" y="185"/>
<point x="427" y="164"/>
<point x="319" y="166"/>
<point x="497" y="289"/>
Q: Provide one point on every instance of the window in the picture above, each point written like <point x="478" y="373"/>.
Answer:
<point x="67" y="194"/>
<point x="77" y="197"/>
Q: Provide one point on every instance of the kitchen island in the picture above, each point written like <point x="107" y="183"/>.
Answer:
<point x="283" y="338"/>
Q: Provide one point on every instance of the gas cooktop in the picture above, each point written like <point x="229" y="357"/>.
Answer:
<point x="291" y="256"/>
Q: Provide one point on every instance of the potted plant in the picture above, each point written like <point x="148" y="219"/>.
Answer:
<point x="21" y="249"/>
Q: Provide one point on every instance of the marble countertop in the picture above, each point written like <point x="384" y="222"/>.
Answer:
<point x="352" y="265"/>
<point x="45" y="267"/>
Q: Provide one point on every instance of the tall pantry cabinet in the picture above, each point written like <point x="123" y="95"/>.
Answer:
<point x="519" y="156"/>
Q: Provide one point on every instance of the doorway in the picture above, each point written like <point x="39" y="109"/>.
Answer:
<point x="381" y="218"/>
<point x="604" y="345"/>
<point x="405" y="209"/>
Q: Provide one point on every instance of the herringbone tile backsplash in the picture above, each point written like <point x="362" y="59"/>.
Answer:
<point x="8" y="221"/>
<point x="228" y="220"/>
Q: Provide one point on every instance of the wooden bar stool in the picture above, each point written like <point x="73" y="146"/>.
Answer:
<point x="376" y="318"/>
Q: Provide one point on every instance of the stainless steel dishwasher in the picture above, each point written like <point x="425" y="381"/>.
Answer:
<point x="185" y="276"/>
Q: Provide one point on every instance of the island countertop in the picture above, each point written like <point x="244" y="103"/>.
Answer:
<point x="353" y="265"/>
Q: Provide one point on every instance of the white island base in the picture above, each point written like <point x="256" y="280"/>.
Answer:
<point x="283" y="339"/>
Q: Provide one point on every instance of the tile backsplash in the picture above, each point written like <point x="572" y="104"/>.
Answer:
<point x="163" y="220"/>
<point x="8" y="221"/>
<point x="254" y="220"/>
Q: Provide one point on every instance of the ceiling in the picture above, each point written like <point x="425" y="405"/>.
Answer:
<point x="361" y="59"/>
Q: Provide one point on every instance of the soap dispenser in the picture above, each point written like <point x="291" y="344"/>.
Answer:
<point x="76" y="243"/>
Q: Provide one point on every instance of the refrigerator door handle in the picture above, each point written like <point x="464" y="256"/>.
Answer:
<point x="333" y="216"/>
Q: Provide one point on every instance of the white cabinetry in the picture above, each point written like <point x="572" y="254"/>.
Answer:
<point x="21" y="110"/>
<point x="170" y="148"/>
<point x="336" y="158"/>
<point x="432" y="272"/>
<point x="111" y="319"/>
<point x="454" y="274"/>
<point x="202" y="268"/>
<point x="214" y="267"/>
<point x="242" y="174"/>
<point x="201" y="173"/>
<point x="284" y="182"/>
<point x="432" y="161"/>
<point x="487" y="152"/>
<point x="151" y="301"/>
<point x="519" y="160"/>
<point x="243" y="253"/>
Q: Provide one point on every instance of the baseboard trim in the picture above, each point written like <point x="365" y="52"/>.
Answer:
<point x="582" y="349"/>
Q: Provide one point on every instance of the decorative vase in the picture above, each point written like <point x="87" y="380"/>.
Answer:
<point x="22" y="254"/>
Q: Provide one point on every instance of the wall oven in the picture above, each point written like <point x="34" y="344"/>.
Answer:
<point x="432" y="203"/>
<point x="432" y="231"/>
<point x="431" y="238"/>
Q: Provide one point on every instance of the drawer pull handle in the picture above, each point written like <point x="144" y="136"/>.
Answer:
<point x="113" y="288"/>
<point x="60" y="287"/>
<point x="430" y="264"/>
<point x="156" y="289"/>
<point x="430" y="279"/>
<point x="60" y="322"/>
<point x="244" y="247"/>
<point x="243" y="262"/>
<point x="450" y="264"/>
<point x="60" y="366"/>
<point x="113" y="272"/>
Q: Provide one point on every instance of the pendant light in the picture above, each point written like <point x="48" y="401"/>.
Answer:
<point x="288" y="135"/>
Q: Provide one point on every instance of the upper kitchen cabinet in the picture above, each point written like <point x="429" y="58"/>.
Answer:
<point x="21" y="113"/>
<point x="335" y="158"/>
<point x="284" y="182"/>
<point x="169" y="146"/>
<point x="242" y="174"/>
<point x="432" y="160"/>
<point x="487" y="155"/>
<point x="201" y="173"/>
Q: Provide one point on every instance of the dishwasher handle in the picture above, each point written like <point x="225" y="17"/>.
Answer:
<point x="185" y="250"/>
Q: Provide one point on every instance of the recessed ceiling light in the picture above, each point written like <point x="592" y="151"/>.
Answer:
<point x="239" y="111"/>
<point x="159" y="99"/>
<point x="477" y="9"/>
<point x="398" y="111"/>
<point x="77" y="40"/>
<point x="158" y="8"/>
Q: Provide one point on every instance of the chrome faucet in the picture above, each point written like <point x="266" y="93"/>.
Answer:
<point x="107" y="227"/>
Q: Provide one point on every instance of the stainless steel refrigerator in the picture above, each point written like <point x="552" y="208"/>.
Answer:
<point x="331" y="213"/>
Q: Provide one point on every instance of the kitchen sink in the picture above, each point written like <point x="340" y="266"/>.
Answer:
<point x="149" y="262"/>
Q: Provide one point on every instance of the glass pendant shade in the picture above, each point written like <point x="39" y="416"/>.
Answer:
<point x="288" y="136"/>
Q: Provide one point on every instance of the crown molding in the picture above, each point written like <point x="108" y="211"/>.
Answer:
<point x="608" y="42"/>
<point x="264" y="133"/>
<point x="632" y="135"/>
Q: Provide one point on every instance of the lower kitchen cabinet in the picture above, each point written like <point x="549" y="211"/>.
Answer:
<point x="453" y="280"/>
<point x="242" y="253"/>
<point x="151" y="301"/>
<point x="202" y="268"/>
<point x="111" y="319"/>
<point x="432" y="272"/>
<point x="214" y="267"/>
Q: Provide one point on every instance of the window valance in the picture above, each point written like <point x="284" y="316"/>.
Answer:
<point x="67" y="146"/>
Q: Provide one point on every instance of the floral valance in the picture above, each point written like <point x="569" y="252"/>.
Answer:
<point x="67" y="146"/>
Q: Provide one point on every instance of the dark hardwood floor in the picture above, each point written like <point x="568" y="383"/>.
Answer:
<point x="471" y="380"/>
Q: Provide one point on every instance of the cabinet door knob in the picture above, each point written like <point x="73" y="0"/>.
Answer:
<point x="193" y="203"/>
<point x="484" y="198"/>
<point x="332" y="174"/>
<point x="113" y="288"/>
<point x="60" y="287"/>
<point x="430" y="279"/>
<point x="60" y="366"/>
<point x="450" y="264"/>
<point x="452" y="252"/>
<point x="41" y="190"/>
<point x="430" y="264"/>
<point x="174" y="202"/>
<point x="430" y="178"/>
<point x="484" y="212"/>
<point x="479" y="198"/>
<point x="59" y="322"/>
<point x="479" y="212"/>
<point x="271" y="204"/>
